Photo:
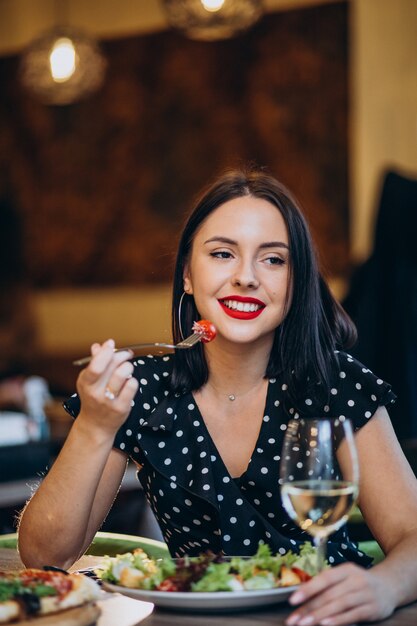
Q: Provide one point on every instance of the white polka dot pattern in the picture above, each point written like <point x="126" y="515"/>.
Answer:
<point x="196" y="502"/>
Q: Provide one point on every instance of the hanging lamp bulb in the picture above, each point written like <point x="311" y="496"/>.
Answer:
<point x="62" y="66"/>
<point x="63" y="60"/>
<point x="212" y="5"/>
<point x="212" y="19"/>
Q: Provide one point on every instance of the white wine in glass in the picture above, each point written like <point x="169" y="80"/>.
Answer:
<point x="319" y="476"/>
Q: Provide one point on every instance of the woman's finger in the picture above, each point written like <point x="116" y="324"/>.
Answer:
<point x="319" y="591"/>
<point x="325" y="607"/>
<point x="118" y="379"/>
<point x="357" y="614"/>
<point x="104" y="363"/>
<point x="102" y="357"/>
<point x="123" y="401"/>
<point x="351" y="591"/>
<point x="320" y="583"/>
<point x="103" y="409"/>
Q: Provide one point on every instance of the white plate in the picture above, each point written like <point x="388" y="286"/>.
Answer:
<point x="217" y="601"/>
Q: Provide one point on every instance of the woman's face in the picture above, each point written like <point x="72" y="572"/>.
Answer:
<point x="238" y="271"/>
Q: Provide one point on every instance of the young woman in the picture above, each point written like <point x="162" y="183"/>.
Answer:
<point x="205" y="426"/>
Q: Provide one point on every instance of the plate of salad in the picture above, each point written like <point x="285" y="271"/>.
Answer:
<point x="209" y="582"/>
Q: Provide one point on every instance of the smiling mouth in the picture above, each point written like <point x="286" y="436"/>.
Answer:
<point x="245" y="307"/>
<point x="242" y="308"/>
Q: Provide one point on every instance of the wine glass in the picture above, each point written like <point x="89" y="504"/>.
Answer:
<point x="319" y="476"/>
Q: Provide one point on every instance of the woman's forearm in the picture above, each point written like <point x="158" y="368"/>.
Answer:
<point x="70" y="505"/>
<point x="398" y="570"/>
<point x="55" y="523"/>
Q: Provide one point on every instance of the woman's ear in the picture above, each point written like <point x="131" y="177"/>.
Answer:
<point x="188" y="287"/>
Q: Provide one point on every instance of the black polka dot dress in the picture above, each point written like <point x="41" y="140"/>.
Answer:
<point x="197" y="504"/>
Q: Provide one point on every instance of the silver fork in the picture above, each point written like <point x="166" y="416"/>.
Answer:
<point x="186" y="343"/>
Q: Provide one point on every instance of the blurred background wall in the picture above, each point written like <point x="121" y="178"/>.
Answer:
<point x="323" y="93"/>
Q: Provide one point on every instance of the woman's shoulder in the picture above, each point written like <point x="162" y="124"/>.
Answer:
<point x="354" y="375"/>
<point x="349" y="366"/>
<point x="357" y="391"/>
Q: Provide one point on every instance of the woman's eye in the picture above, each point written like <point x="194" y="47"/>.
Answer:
<point x="275" y="260"/>
<point x="221" y="254"/>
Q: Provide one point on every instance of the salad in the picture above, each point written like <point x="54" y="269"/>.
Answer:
<point x="211" y="572"/>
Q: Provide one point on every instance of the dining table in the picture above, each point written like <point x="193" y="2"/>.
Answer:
<point x="119" y="610"/>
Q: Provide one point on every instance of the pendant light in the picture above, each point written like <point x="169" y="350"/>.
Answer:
<point x="63" y="65"/>
<point x="210" y="20"/>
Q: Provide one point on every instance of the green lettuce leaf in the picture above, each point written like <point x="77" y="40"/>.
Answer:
<point x="307" y="559"/>
<point x="216" y="578"/>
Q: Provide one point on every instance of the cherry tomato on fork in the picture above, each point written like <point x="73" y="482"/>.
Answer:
<point x="206" y="328"/>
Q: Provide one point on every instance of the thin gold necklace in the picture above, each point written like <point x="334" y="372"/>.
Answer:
<point x="232" y="396"/>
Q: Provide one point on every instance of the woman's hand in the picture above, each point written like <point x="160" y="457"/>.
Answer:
<point x="106" y="388"/>
<point x="344" y="594"/>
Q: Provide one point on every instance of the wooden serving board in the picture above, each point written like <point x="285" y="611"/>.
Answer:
<point x="78" y="616"/>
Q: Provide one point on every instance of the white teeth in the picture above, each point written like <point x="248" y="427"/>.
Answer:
<point x="246" y="307"/>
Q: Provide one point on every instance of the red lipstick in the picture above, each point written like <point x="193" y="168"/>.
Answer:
<point x="242" y="315"/>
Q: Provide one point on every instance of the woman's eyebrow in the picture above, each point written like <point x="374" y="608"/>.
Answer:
<point x="274" y="244"/>
<point x="221" y="239"/>
<point x="232" y="242"/>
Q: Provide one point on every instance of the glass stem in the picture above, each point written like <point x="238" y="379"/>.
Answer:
<point x="320" y="544"/>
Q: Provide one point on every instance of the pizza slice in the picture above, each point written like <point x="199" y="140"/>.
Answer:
<point x="32" y="593"/>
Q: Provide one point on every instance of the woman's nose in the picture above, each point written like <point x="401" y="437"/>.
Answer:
<point x="245" y="277"/>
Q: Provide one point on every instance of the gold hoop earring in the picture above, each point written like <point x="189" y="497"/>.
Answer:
<point x="179" y="315"/>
